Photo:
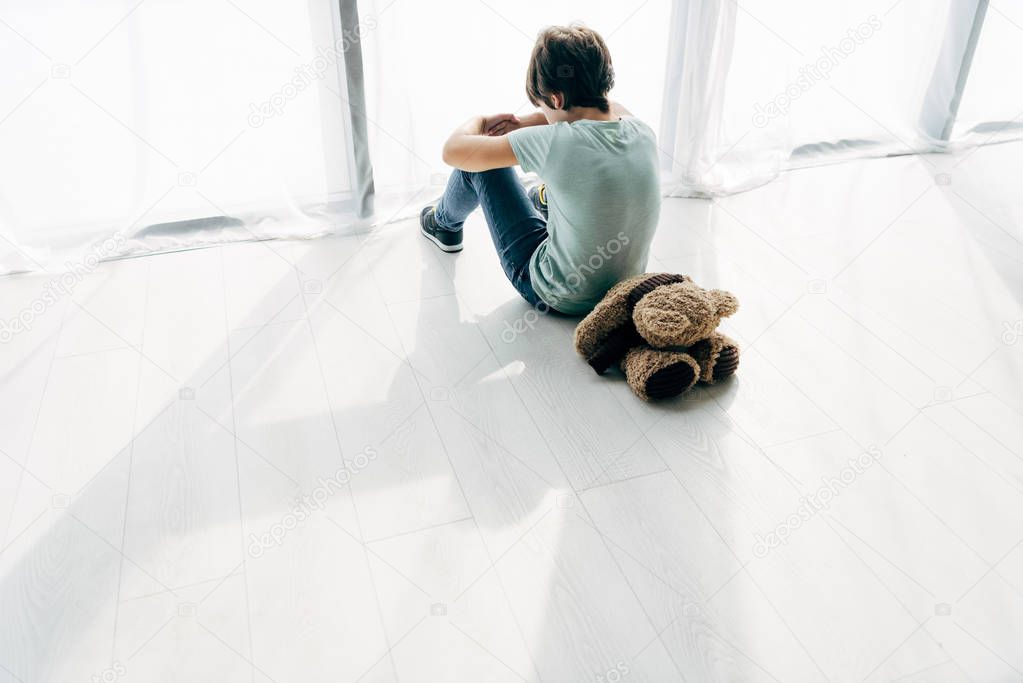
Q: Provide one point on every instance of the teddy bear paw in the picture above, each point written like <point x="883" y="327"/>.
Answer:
<point x="655" y="374"/>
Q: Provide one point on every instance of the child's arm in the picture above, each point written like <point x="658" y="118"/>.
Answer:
<point x="500" y="124"/>
<point x="470" y="148"/>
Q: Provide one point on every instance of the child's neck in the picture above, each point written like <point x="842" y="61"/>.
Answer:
<point x="587" y="113"/>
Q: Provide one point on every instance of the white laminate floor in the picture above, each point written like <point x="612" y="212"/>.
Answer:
<point x="360" y="459"/>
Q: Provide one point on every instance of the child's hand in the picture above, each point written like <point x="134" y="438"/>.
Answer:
<point x="500" y="124"/>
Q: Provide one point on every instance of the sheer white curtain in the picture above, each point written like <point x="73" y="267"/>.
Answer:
<point x="757" y="87"/>
<point x="130" y="126"/>
<point x="991" y="109"/>
<point x="432" y="65"/>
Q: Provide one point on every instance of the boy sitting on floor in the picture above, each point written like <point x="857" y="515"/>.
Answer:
<point x="563" y="244"/>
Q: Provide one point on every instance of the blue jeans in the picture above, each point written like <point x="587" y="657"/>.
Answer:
<point x="515" y="226"/>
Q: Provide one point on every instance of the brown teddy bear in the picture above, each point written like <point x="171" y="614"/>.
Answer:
<point x="661" y="329"/>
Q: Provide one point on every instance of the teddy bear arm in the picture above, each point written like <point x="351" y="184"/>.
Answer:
<point x="605" y="321"/>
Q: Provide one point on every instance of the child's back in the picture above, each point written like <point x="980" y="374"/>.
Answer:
<point x="604" y="201"/>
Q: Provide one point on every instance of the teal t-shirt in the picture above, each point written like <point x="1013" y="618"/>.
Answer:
<point x="604" y="199"/>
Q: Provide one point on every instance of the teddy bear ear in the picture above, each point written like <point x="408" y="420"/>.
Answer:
<point x="726" y="302"/>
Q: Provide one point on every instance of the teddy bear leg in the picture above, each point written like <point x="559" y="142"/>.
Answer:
<point x="656" y="374"/>
<point x="717" y="356"/>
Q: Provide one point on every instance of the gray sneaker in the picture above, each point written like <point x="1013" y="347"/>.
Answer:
<point x="446" y="240"/>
